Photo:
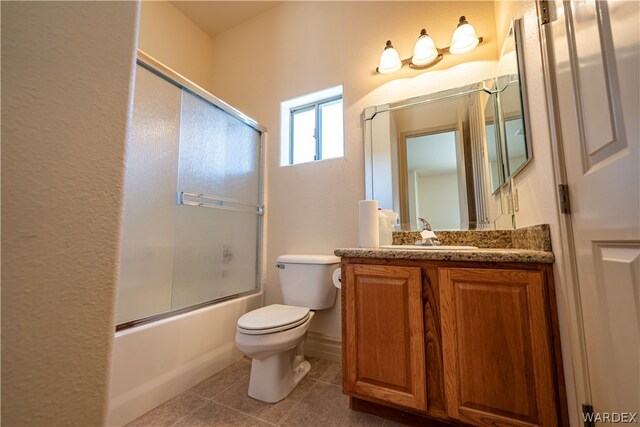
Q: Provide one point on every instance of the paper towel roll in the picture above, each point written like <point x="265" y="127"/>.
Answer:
<point x="369" y="236"/>
<point x="337" y="281"/>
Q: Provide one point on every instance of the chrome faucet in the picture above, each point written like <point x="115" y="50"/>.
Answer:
<point x="425" y="224"/>
<point x="429" y="241"/>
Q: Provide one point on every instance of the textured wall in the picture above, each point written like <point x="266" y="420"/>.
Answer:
<point x="66" y="73"/>
<point x="171" y="38"/>
<point x="297" y="48"/>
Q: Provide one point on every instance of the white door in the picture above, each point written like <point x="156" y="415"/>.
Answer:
<point x="597" y="46"/>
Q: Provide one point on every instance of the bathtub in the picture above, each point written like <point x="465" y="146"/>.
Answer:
<point x="154" y="362"/>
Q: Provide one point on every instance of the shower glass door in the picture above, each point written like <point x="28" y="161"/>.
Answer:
<point x="192" y="220"/>
<point x="215" y="249"/>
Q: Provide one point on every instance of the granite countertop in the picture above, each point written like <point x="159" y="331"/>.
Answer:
<point x="479" y="255"/>
<point x="530" y="244"/>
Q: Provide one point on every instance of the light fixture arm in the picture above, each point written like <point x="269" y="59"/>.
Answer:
<point x="441" y="53"/>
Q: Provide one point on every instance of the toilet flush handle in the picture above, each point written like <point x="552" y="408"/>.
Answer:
<point x="280" y="266"/>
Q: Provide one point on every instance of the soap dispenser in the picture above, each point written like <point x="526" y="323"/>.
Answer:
<point x="386" y="224"/>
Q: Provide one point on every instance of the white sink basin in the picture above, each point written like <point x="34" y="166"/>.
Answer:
<point x="428" y="248"/>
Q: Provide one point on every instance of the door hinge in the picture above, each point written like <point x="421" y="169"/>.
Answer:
<point x="587" y="415"/>
<point x="544" y="13"/>
<point x="563" y="196"/>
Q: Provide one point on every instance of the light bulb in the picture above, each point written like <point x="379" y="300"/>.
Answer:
<point x="389" y="60"/>
<point x="425" y="51"/>
<point x="464" y="38"/>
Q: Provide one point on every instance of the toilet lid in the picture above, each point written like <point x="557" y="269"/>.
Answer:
<point x="272" y="316"/>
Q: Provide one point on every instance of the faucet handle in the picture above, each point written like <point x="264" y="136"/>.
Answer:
<point x="425" y="224"/>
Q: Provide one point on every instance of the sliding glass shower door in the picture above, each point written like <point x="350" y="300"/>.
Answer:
<point x="192" y="220"/>
<point x="218" y="159"/>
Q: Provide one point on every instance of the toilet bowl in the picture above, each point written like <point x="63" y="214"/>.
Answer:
<point x="273" y="336"/>
<point x="278" y="363"/>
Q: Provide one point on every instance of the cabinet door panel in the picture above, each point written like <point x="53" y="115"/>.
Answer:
<point x="384" y="334"/>
<point x="495" y="338"/>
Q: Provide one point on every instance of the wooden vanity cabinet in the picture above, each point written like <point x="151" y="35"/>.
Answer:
<point x="461" y="342"/>
<point x="496" y="345"/>
<point x="384" y="334"/>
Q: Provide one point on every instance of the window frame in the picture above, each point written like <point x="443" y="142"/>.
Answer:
<point x="317" y="134"/>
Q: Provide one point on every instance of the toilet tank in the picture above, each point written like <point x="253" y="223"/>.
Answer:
<point x="306" y="280"/>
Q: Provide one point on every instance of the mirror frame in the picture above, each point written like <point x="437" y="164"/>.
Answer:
<point x="497" y="134"/>
<point x="517" y="28"/>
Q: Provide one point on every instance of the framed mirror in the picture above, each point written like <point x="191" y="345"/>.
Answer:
<point x="493" y="138"/>
<point x="510" y="95"/>
<point x="449" y="156"/>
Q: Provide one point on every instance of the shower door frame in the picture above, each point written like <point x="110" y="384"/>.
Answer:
<point x="156" y="67"/>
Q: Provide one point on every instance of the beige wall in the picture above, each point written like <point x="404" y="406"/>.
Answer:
<point x="300" y="47"/>
<point x="66" y="72"/>
<point x="535" y="184"/>
<point x="438" y="200"/>
<point x="173" y="39"/>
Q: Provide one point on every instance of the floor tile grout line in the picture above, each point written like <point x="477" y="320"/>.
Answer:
<point x="297" y="403"/>
<point x="194" y="394"/>
<point x="228" y="388"/>
<point x="198" y="408"/>
<point x="315" y="382"/>
<point x="212" y="399"/>
<point x="330" y="383"/>
<point x="243" y="413"/>
<point x="179" y="419"/>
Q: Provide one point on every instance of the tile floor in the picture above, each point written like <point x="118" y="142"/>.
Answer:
<point x="222" y="400"/>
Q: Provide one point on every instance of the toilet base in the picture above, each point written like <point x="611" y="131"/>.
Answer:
<point x="273" y="378"/>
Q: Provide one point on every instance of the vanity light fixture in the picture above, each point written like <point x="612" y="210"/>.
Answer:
<point x="464" y="38"/>
<point x="425" y="52"/>
<point x="389" y="60"/>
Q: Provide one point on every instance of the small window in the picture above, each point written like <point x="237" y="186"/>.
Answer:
<point x="314" y="129"/>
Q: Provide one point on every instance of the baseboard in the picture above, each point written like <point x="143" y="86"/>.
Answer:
<point x="323" y="346"/>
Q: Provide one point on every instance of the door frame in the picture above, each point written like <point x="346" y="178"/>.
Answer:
<point x="568" y="267"/>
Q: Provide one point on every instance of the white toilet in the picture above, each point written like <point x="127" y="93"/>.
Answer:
<point x="273" y="336"/>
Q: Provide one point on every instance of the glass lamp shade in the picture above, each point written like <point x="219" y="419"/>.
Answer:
<point x="389" y="60"/>
<point x="425" y="51"/>
<point x="464" y="38"/>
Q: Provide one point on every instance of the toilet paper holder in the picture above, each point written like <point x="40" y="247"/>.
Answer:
<point x="337" y="278"/>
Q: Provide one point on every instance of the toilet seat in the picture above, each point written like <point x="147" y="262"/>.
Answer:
<point x="272" y="318"/>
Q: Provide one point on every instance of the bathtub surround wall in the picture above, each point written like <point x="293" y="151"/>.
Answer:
<point x="66" y="96"/>
<point x="310" y="46"/>
<point x="153" y="363"/>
